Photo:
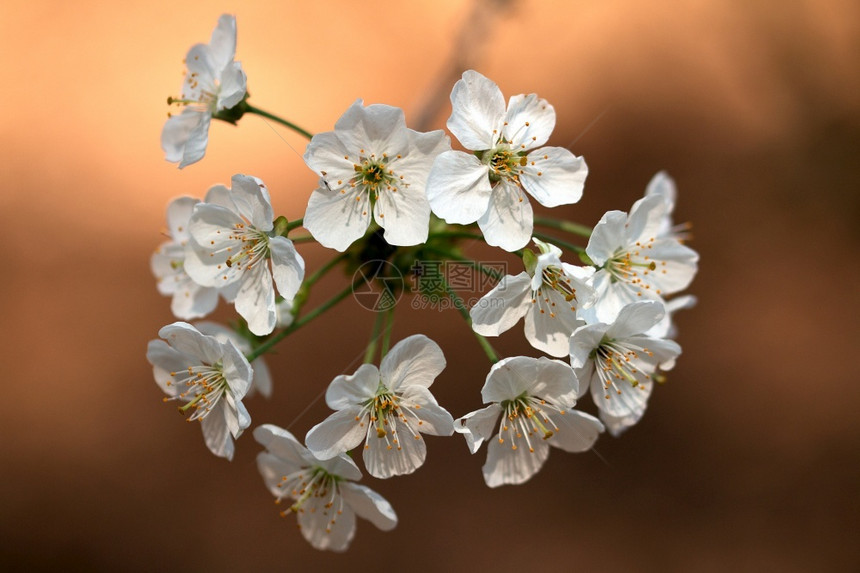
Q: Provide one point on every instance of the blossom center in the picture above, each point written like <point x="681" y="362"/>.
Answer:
<point x="254" y="247"/>
<point x="374" y="175"/>
<point x="504" y="163"/>
<point x="617" y="363"/>
<point x="385" y="409"/>
<point x="314" y="487"/>
<point x="634" y="267"/>
<point x="204" y="387"/>
<point x="524" y="418"/>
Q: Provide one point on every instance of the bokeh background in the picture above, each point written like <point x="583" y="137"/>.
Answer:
<point x="748" y="456"/>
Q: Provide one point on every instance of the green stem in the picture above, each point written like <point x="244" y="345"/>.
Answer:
<point x="566" y="226"/>
<point x="461" y="308"/>
<point x="303" y="239"/>
<point x="251" y="109"/>
<point x="374" y="337"/>
<point x="270" y="343"/>
<point x="295" y="224"/>
<point x="559" y="243"/>
<point x="386" y="334"/>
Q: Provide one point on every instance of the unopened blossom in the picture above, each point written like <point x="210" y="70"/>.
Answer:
<point x="210" y="377"/>
<point x="232" y="244"/>
<point x="531" y="401"/>
<point x="262" y="380"/>
<point x="507" y="162"/>
<point x="548" y="295"/>
<point x="371" y="167"/>
<point x="617" y="361"/>
<point x="325" y="500"/>
<point x="190" y="300"/>
<point x="388" y="408"/>
<point x="634" y="262"/>
<point x="213" y="82"/>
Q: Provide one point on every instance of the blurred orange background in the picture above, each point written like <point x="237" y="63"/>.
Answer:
<point x="746" y="459"/>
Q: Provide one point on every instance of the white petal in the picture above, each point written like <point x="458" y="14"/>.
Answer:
<point x="233" y="86"/>
<point x="554" y="176"/>
<point x="185" y="136"/>
<point x="255" y="301"/>
<point x="679" y="269"/>
<point x="607" y="237"/>
<point x="508" y="222"/>
<point x="622" y="399"/>
<point x="369" y="505"/>
<point x="506" y="465"/>
<point x="192" y="301"/>
<point x="236" y="369"/>
<point x="550" y="322"/>
<point x="584" y="340"/>
<point x="188" y="340"/>
<point x="165" y="360"/>
<point x="550" y="379"/>
<point x="664" y="186"/>
<point x="350" y="390"/>
<point x="503" y="306"/>
<point x="377" y="128"/>
<point x="315" y="522"/>
<point x="458" y="187"/>
<point x="281" y="443"/>
<point x="529" y="121"/>
<point x="262" y="381"/>
<point x="327" y="154"/>
<point x="338" y="433"/>
<point x="273" y="468"/>
<point x="619" y="424"/>
<point x="404" y="215"/>
<point x="433" y="419"/>
<point x="288" y="266"/>
<point x="337" y="219"/>
<point x="217" y="435"/>
<point x="201" y="72"/>
<point x="647" y="217"/>
<point x="478" y="426"/>
<point x="636" y="318"/>
<point x="478" y="109"/>
<point x="576" y="432"/>
<point x="178" y="215"/>
<point x="415" y="360"/>
<point x="223" y="41"/>
<point x="252" y="201"/>
<point x="384" y="457"/>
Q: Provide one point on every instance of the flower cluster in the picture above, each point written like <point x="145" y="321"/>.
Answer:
<point x="390" y="197"/>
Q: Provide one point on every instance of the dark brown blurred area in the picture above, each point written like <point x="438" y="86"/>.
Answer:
<point x="747" y="458"/>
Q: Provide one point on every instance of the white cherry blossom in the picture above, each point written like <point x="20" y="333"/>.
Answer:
<point x="490" y="185"/>
<point x="534" y="398"/>
<point x="547" y="295"/>
<point x="617" y="362"/>
<point x="190" y="300"/>
<point x="388" y="408"/>
<point x="233" y="242"/>
<point x="262" y="380"/>
<point x="371" y="167"/>
<point x="634" y="261"/>
<point x="209" y="376"/>
<point x="325" y="499"/>
<point x="213" y="82"/>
